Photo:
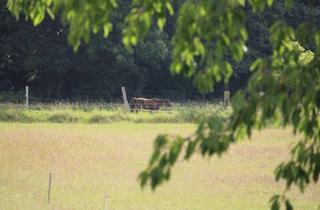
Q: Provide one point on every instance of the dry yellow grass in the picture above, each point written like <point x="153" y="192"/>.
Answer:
<point x="90" y="161"/>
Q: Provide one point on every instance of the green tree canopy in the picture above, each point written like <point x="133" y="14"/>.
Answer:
<point x="209" y="36"/>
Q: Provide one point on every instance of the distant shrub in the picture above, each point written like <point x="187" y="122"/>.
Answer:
<point x="100" y="119"/>
<point x="62" y="118"/>
<point x="14" y="116"/>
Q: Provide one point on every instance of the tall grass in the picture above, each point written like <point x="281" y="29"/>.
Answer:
<point x="109" y="113"/>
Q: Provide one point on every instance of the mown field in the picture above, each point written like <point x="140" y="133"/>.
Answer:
<point x="90" y="161"/>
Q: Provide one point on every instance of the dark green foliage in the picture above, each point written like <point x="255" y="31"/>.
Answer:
<point x="41" y="58"/>
<point x="12" y="97"/>
<point x="275" y="205"/>
<point x="100" y="67"/>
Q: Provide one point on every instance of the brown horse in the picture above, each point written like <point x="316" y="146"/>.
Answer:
<point x="136" y="103"/>
<point x="150" y="104"/>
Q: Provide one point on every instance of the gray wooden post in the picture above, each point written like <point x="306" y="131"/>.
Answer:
<point x="27" y="96"/>
<point x="49" y="190"/>
<point x="226" y="98"/>
<point x="125" y="100"/>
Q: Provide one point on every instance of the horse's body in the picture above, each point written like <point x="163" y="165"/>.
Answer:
<point x="150" y="104"/>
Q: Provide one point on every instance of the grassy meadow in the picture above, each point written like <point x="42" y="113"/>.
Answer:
<point x="107" y="113"/>
<point x="90" y="161"/>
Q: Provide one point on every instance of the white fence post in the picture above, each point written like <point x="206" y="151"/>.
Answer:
<point x="27" y="96"/>
<point x="125" y="100"/>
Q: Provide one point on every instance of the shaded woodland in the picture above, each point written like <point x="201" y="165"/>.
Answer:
<point x="42" y="58"/>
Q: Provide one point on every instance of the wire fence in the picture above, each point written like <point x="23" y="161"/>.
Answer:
<point x="105" y="96"/>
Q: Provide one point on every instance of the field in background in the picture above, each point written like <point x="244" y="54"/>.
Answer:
<point x="107" y="113"/>
<point x="89" y="161"/>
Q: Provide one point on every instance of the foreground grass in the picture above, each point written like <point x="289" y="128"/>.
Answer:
<point x="89" y="162"/>
<point x="107" y="113"/>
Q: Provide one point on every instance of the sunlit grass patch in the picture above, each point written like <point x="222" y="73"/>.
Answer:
<point x="90" y="161"/>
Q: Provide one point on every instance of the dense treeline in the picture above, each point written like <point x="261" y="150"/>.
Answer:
<point x="41" y="57"/>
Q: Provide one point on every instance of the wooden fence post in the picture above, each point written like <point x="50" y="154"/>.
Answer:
<point x="27" y="96"/>
<point x="49" y="190"/>
<point x="106" y="202"/>
<point x="125" y="100"/>
<point x="226" y="98"/>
